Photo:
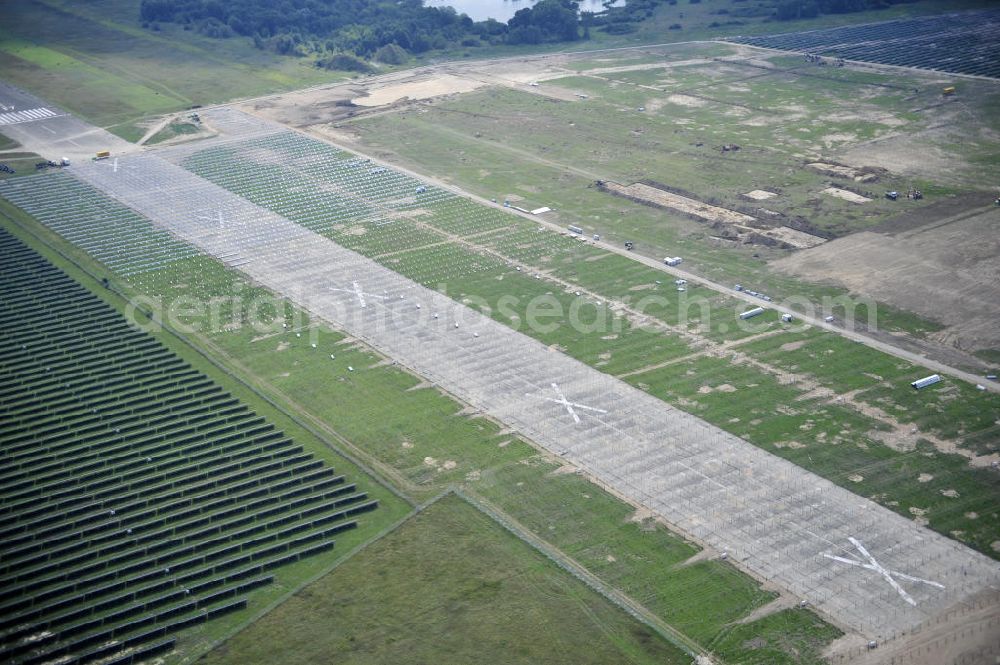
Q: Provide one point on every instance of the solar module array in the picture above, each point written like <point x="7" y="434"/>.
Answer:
<point x="113" y="234"/>
<point x="137" y="498"/>
<point x="378" y="212"/>
<point x="312" y="174"/>
<point x="963" y="43"/>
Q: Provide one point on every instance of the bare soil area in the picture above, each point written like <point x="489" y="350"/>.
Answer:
<point x="797" y="239"/>
<point x="845" y="194"/>
<point x="421" y="88"/>
<point x="683" y="204"/>
<point x="747" y="228"/>
<point x="947" y="272"/>
<point x="316" y="106"/>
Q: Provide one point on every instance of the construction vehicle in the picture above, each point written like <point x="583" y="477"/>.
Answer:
<point x="892" y="196"/>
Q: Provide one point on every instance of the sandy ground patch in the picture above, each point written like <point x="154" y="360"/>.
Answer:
<point x="905" y="154"/>
<point x="795" y="238"/>
<point x="677" y="202"/>
<point x="838" y="137"/>
<point x="760" y="194"/>
<point x="860" y="174"/>
<point x="686" y="100"/>
<point x="846" y="195"/>
<point x="870" y="116"/>
<point x="722" y="388"/>
<point x="307" y="107"/>
<point x="445" y="84"/>
<point x="761" y="120"/>
<point x="655" y="104"/>
<point x="912" y="150"/>
<point x="650" y="65"/>
<point x="833" y="169"/>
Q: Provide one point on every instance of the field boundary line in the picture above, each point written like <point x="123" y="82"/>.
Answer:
<point x="356" y="550"/>
<point x="554" y="554"/>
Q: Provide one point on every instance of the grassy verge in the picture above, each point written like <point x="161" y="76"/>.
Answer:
<point x="21" y="162"/>
<point x="173" y="130"/>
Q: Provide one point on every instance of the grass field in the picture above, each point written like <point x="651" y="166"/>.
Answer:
<point x="450" y="585"/>
<point x="450" y="566"/>
<point x="107" y="69"/>
<point x="776" y="115"/>
<point x="110" y="70"/>
<point x="784" y="113"/>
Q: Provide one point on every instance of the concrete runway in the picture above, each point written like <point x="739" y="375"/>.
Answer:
<point x="863" y="566"/>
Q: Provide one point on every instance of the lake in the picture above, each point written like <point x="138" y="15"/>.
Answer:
<point x="501" y="10"/>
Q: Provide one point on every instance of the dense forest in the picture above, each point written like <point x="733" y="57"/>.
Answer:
<point x="344" y="34"/>
<point x="370" y="29"/>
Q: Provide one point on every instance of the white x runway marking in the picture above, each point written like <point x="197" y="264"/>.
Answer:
<point x="570" y="406"/>
<point x="356" y="290"/>
<point x="888" y="575"/>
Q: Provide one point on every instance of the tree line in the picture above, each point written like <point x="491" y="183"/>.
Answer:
<point x="368" y="29"/>
<point x="790" y="10"/>
<point x="345" y="34"/>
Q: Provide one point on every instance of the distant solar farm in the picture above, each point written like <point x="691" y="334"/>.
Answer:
<point x="965" y="43"/>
